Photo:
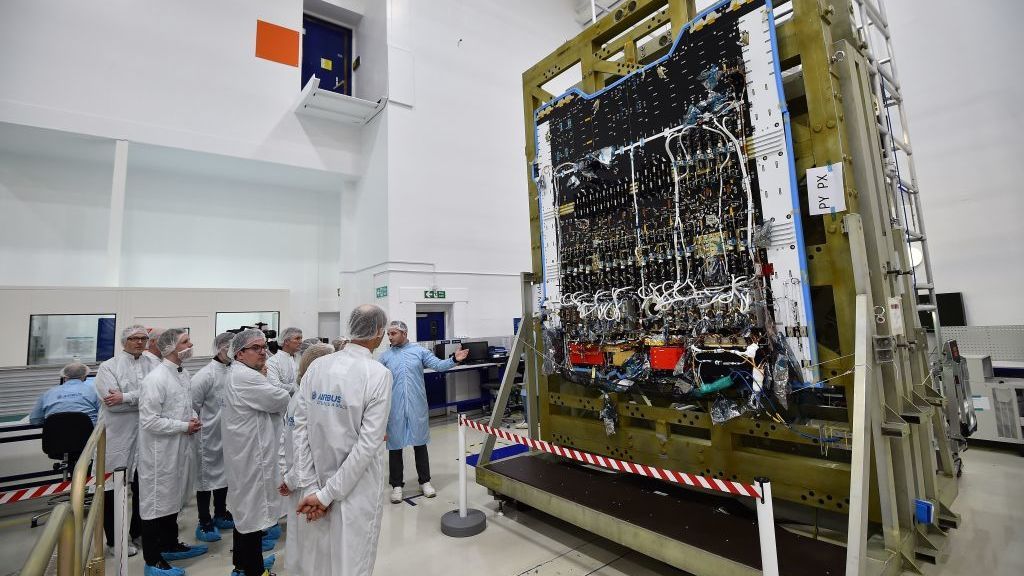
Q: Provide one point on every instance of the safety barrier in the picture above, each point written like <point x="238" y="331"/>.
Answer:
<point x="55" y="489"/>
<point x="69" y="530"/>
<point x="761" y="491"/>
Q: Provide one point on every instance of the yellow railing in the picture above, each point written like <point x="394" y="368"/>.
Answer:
<point x="69" y="530"/>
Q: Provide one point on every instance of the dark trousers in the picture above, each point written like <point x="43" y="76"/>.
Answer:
<point x="395" y="467"/>
<point x="135" y="527"/>
<point x="247" y="554"/>
<point x="158" y="535"/>
<point x="220" y="509"/>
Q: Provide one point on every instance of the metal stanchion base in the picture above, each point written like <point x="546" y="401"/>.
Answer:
<point x="458" y="527"/>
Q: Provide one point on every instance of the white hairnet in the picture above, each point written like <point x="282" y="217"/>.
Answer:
<point x="155" y="333"/>
<point x="307" y="343"/>
<point x="399" y="325"/>
<point x="75" y="371"/>
<point x="367" y="322"/>
<point x="132" y="331"/>
<point x="223" y="340"/>
<point x="287" y="333"/>
<point x="168" y="341"/>
<point x="339" y="343"/>
<point x="243" y="339"/>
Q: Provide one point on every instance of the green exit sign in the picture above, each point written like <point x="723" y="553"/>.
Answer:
<point x="382" y="292"/>
<point x="434" y="294"/>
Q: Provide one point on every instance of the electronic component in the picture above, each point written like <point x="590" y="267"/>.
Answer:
<point x="670" y="225"/>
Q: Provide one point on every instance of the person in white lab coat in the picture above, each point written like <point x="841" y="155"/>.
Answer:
<point x="117" y="382"/>
<point x="166" y="466"/>
<point x="290" y="485"/>
<point x="152" y="354"/>
<point x="207" y="398"/>
<point x="340" y="420"/>
<point x="283" y="367"/>
<point x="251" y="404"/>
<point x="282" y="371"/>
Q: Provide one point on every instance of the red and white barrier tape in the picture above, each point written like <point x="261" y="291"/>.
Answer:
<point x="694" y="480"/>
<point x="43" y="491"/>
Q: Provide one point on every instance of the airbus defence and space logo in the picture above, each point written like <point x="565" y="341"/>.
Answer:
<point x="328" y="399"/>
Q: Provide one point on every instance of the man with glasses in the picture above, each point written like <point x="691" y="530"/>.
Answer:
<point x="117" y="385"/>
<point x="251" y="404"/>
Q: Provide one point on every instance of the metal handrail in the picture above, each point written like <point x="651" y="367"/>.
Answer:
<point x="68" y="529"/>
<point x="60" y="527"/>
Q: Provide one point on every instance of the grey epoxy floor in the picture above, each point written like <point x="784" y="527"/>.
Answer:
<point x="990" y="540"/>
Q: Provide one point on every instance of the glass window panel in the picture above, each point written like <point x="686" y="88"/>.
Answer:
<point x="235" y="320"/>
<point x="62" y="338"/>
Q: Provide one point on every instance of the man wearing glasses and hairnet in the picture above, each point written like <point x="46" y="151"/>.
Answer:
<point x="117" y="384"/>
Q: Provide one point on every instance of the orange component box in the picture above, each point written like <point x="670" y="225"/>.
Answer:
<point x="585" y="355"/>
<point x="666" y="357"/>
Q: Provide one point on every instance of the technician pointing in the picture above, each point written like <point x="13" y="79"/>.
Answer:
<point x="408" y="424"/>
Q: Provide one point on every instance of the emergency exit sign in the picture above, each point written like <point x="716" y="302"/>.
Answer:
<point x="434" y="294"/>
<point x="382" y="292"/>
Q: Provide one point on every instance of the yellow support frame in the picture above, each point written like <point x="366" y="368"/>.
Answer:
<point x="820" y="38"/>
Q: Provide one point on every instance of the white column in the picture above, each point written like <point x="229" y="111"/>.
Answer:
<point x="115" y="230"/>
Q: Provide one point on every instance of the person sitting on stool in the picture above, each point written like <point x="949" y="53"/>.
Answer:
<point x="74" y="395"/>
<point x="408" y="424"/>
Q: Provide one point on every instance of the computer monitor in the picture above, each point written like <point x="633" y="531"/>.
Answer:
<point x="477" y="351"/>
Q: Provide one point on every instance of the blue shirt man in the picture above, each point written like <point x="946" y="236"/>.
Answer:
<point x="74" y="395"/>
<point x="408" y="423"/>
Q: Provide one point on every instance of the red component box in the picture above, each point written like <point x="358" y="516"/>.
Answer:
<point x="585" y="355"/>
<point x="666" y="357"/>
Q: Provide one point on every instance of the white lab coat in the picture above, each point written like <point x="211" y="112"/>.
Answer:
<point x="251" y="404"/>
<point x="208" y="387"/>
<point x="298" y="529"/>
<point x="340" y="420"/>
<point x="166" y="463"/>
<point x="125" y="373"/>
<point x="282" y="371"/>
<point x="152" y="361"/>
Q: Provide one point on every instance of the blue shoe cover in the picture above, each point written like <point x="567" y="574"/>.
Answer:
<point x="189" y="552"/>
<point x="223" y="523"/>
<point x="274" y="532"/>
<point x="268" y="544"/>
<point x="212" y="535"/>
<point x="154" y="571"/>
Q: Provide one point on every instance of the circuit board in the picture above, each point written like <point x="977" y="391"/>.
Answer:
<point x="673" y="258"/>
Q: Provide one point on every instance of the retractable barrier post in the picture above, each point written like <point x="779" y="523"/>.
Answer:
<point x="462" y="470"/>
<point x="766" y="528"/>
<point x="121" y="520"/>
<point x="464" y="521"/>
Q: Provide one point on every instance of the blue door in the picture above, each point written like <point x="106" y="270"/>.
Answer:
<point x="327" y="54"/>
<point x="430" y="326"/>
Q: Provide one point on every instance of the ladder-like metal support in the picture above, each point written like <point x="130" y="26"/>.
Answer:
<point x="905" y="198"/>
<point x="522" y="342"/>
